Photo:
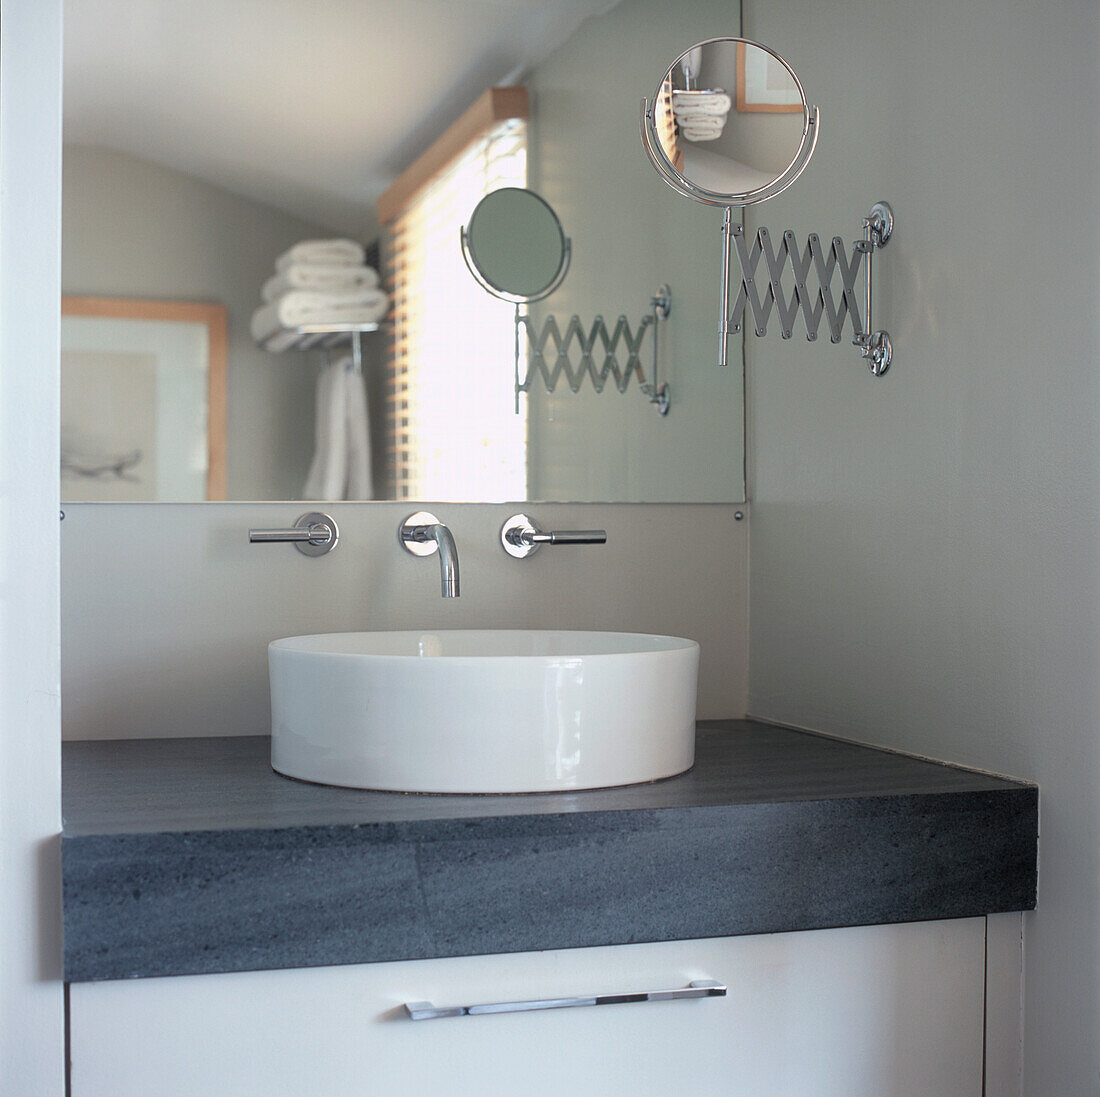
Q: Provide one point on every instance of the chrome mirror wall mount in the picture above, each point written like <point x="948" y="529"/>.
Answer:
<point x="659" y="392"/>
<point x="878" y="227"/>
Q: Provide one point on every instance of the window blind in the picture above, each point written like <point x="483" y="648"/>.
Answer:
<point x="666" y="127"/>
<point x="451" y="427"/>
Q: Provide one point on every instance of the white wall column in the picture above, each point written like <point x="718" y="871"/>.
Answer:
<point x="31" y="1000"/>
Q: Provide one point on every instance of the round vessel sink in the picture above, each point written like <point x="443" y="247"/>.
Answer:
<point x="482" y="711"/>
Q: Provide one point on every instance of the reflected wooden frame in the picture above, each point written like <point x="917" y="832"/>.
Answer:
<point x="215" y="318"/>
<point x="750" y="98"/>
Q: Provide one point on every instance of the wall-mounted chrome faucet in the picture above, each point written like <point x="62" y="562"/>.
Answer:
<point x="520" y="536"/>
<point x="423" y="534"/>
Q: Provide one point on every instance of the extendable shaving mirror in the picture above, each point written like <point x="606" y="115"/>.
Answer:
<point x="729" y="125"/>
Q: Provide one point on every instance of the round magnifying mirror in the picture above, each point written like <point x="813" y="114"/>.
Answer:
<point x="514" y="245"/>
<point x="729" y="123"/>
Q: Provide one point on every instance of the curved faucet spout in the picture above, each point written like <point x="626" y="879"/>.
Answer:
<point x="422" y="534"/>
<point x="448" y="559"/>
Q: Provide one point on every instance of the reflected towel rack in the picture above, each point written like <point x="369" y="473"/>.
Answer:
<point x="319" y="337"/>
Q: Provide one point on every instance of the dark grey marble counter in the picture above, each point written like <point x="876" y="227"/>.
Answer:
<point x="191" y="856"/>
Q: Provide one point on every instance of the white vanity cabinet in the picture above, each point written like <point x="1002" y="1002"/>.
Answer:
<point x="880" y="1011"/>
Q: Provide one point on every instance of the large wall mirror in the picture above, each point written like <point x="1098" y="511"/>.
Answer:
<point x="203" y="138"/>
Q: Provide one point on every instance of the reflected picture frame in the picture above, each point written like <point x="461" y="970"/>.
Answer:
<point x="159" y="358"/>
<point x="753" y="92"/>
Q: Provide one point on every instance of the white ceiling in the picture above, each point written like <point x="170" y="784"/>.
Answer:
<point x="310" y="106"/>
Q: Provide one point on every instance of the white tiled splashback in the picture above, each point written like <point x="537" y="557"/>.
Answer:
<point x="167" y="609"/>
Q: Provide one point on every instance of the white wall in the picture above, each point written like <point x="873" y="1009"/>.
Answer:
<point x="31" y="1008"/>
<point x="925" y="556"/>
<point x="135" y="229"/>
<point x="167" y="610"/>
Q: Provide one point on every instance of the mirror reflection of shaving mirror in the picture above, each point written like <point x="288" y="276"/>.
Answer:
<point x="516" y="250"/>
<point x="197" y="152"/>
<point x="729" y="123"/>
<point x="515" y="247"/>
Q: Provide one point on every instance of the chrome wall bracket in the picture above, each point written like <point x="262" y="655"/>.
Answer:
<point x="549" y="352"/>
<point x="761" y="296"/>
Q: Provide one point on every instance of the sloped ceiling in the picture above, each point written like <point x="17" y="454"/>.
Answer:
<point x="310" y="106"/>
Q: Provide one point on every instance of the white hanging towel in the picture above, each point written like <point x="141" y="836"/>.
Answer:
<point x="324" y="278"/>
<point x="359" y="471"/>
<point x="328" y="473"/>
<point x="339" y="253"/>
<point x="341" y="461"/>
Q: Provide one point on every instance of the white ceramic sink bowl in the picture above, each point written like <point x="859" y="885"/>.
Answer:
<point x="482" y="711"/>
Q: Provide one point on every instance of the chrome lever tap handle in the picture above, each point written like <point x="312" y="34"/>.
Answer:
<point x="520" y="536"/>
<point x="568" y="537"/>
<point x="313" y="534"/>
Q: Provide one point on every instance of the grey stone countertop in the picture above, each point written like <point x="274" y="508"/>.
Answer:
<point x="184" y="856"/>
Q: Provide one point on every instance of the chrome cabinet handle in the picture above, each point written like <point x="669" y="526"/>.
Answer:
<point x="520" y="536"/>
<point x="313" y="534"/>
<point x="700" y="988"/>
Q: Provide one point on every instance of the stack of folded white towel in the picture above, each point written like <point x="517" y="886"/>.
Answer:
<point x="701" y="115"/>
<point x="317" y="282"/>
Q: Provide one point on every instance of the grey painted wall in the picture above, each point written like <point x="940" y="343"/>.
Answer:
<point x="925" y="557"/>
<point x="134" y="229"/>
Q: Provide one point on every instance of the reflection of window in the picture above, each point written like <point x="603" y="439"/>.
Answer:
<point x="452" y="431"/>
<point x="666" y="127"/>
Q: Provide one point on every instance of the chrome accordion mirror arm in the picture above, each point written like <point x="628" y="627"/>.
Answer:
<point x="724" y="330"/>
<point x="758" y="297"/>
<point x="550" y="351"/>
